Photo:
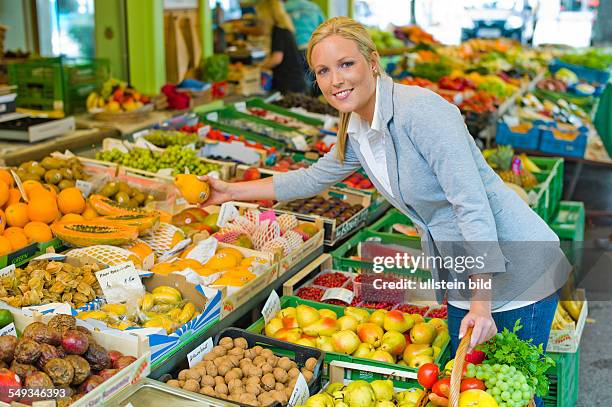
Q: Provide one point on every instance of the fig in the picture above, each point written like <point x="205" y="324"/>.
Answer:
<point x="40" y="380"/>
<point x="7" y="348"/>
<point x="62" y="323"/>
<point x="91" y="383"/>
<point x="75" y="342"/>
<point x="41" y="333"/>
<point x="108" y="373"/>
<point x="124" y="361"/>
<point x="27" y="351"/>
<point x="114" y="355"/>
<point x="48" y="352"/>
<point x="23" y="370"/>
<point x="60" y="371"/>
<point x="97" y="357"/>
<point x="81" y="369"/>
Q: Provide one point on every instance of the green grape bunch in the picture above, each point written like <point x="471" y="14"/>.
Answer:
<point x="507" y="385"/>
<point x="167" y="138"/>
<point x="175" y="157"/>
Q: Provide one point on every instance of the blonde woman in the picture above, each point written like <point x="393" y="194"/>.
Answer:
<point x="419" y="154"/>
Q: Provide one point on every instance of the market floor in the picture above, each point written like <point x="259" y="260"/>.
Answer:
<point x="595" y="357"/>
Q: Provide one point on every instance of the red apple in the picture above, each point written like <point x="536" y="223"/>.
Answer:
<point x="251" y="174"/>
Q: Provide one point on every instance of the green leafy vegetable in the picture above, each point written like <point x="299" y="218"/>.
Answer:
<point x="507" y="348"/>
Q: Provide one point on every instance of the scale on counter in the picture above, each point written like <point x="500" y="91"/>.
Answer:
<point x="23" y="127"/>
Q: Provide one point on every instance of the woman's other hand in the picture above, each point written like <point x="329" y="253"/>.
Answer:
<point x="480" y="320"/>
<point x="220" y="191"/>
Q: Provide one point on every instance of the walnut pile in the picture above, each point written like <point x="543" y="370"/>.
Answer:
<point x="44" y="282"/>
<point x="254" y="376"/>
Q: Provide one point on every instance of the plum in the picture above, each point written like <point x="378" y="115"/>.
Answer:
<point x="91" y="383"/>
<point x="97" y="357"/>
<point x="75" y="342"/>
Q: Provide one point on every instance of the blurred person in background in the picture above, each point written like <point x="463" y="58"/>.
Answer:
<point x="306" y="17"/>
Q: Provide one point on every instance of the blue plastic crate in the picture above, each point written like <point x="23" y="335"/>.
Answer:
<point x="568" y="148"/>
<point x="584" y="73"/>
<point x="527" y="141"/>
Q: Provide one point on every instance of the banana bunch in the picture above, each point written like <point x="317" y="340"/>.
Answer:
<point x="567" y="313"/>
<point x="529" y="164"/>
<point x="94" y="101"/>
<point x="164" y="307"/>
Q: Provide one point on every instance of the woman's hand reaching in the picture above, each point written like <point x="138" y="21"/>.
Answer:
<point x="220" y="191"/>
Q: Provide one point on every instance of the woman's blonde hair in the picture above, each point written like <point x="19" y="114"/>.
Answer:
<point x="349" y="29"/>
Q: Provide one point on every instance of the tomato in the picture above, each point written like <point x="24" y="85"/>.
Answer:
<point x="472" y="383"/>
<point x="442" y="387"/>
<point x="428" y="375"/>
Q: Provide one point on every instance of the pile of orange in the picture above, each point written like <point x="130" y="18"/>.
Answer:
<point x="23" y="222"/>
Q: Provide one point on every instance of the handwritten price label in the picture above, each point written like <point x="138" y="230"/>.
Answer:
<point x="272" y="307"/>
<point x="120" y="282"/>
<point x="341" y="294"/>
<point x="198" y="353"/>
<point x="9" y="330"/>
<point x="300" y="392"/>
<point x="7" y="271"/>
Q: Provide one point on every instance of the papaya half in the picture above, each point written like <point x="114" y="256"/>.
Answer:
<point x="94" y="232"/>
<point x="106" y="206"/>
<point x="145" y="222"/>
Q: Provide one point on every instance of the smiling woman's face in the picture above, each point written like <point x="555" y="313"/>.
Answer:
<point x="344" y="75"/>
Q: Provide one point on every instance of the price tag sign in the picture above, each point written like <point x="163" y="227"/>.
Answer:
<point x="227" y="213"/>
<point x="9" y="330"/>
<point x="241" y="106"/>
<point x="120" y="282"/>
<point x="204" y="250"/>
<point x="300" y="392"/>
<point x="272" y="307"/>
<point x="300" y="143"/>
<point x="53" y="308"/>
<point x="85" y="187"/>
<point x="198" y="353"/>
<point x="336" y="293"/>
<point x="213" y="116"/>
<point x="7" y="271"/>
<point x="203" y="131"/>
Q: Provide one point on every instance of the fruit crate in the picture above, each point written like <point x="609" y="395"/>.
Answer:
<point x="344" y="255"/>
<point x="385" y="226"/>
<point x="550" y="188"/>
<point x="236" y="122"/>
<point x="569" y="222"/>
<point x="583" y="72"/>
<point x="346" y="372"/>
<point x="299" y="354"/>
<point x="563" y="379"/>
<point x="335" y="231"/>
<point x="58" y="83"/>
<point x="257" y="102"/>
<point x="408" y="373"/>
<point x="568" y="340"/>
<point x="25" y="254"/>
<point x="529" y="140"/>
<point x="553" y="142"/>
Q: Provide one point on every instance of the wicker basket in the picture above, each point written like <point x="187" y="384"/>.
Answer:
<point x="122" y="117"/>
<point x="456" y="373"/>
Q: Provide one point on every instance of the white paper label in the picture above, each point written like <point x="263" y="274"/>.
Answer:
<point x="140" y="134"/>
<point x="7" y="271"/>
<point x="336" y="293"/>
<point x="227" y="213"/>
<point x="9" y="330"/>
<point x="213" y="116"/>
<point x="181" y="201"/>
<point x="191" y="146"/>
<point x="300" y="143"/>
<point x="300" y="393"/>
<point x="120" y="283"/>
<point x="204" y="250"/>
<point x="198" y="353"/>
<point x="272" y="307"/>
<point x="241" y="106"/>
<point x="165" y="172"/>
<point x="203" y="131"/>
<point x="19" y="185"/>
<point x="85" y="187"/>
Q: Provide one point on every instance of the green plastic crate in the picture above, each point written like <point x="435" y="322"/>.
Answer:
<point x="550" y="188"/>
<point x="343" y="262"/>
<point x="569" y="222"/>
<point x="384" y="225"/>
<point x="563" y="379"/>
<point x="256" y="102"/>
<point x="57" y="83"/>
<point x="289" y="301"/>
